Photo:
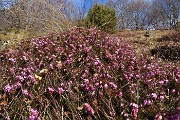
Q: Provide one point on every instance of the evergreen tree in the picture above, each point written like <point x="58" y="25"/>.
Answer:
<point x="102" y="17"/>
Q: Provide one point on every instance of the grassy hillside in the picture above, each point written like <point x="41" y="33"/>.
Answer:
<point x="85" y="74"/>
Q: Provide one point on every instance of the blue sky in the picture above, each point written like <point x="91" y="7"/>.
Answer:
<point x="89" y="3"/>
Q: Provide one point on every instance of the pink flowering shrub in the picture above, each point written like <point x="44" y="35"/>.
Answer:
<point x="83" y="74"/>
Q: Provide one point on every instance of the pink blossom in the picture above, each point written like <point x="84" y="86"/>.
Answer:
<point x="19" y="78"/>
<point x="173" y="90"/>
<point x="96" y="63"/>
<point x="113" y="85"/>
<point x="25" y="58"/>
<point x="89" y="109"/>
<point x="60" y="91"/>
<point x="134" y="105"/>
<point x="11" y="70"/>
<point x="26" y="93"/>
<point x="17" y="85"/>
<point x="37" y="60"/>
<point x="51" y="66"/>
<point x="120" y="94"/>
<point x="134" y="113"/>
<point x="51" y="90"/>
<point x="158" y="117"/>
<point x="23" y="73"/>
<point x="105" y="86"/>
<point x="147" y="102"/>
<point x="134" y="110"/>
<point x="31" y="77"/>
<point x="13" y="60"/>
<point x="8" y="88"/>
<point x="33" y="114"/>
<point x="161" y="82"/>
<point x="70" y="83"/>
<point x="161" y="97"/>
<point x="86" y="81"/>
<point x="154" y="95"/>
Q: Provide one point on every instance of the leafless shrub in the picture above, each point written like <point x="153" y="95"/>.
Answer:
<point x="36" y="16"/>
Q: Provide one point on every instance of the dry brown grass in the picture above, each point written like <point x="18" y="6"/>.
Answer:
<point x="142" y="44"/>
<point x="13" y="35"/>
<point x="138" y="41"/>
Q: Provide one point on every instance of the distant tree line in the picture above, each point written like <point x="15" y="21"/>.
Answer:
<point x="141" y="14"/>
<point x="46" y="15"/>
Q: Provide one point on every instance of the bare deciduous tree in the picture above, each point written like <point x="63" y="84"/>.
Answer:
<point x="166" y="13"/>
<point x="41" y="16"/>
<point x="131" y="14"/>
<point x="35" y="16"/>
<point x="121" y="7"/>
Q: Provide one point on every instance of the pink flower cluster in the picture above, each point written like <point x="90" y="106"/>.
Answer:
<point x="33" y="114"/>
<point x="88" y="109"/>
<point x="87" y="66"/>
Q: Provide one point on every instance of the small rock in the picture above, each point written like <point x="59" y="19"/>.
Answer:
<point x="147" y="34"/>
